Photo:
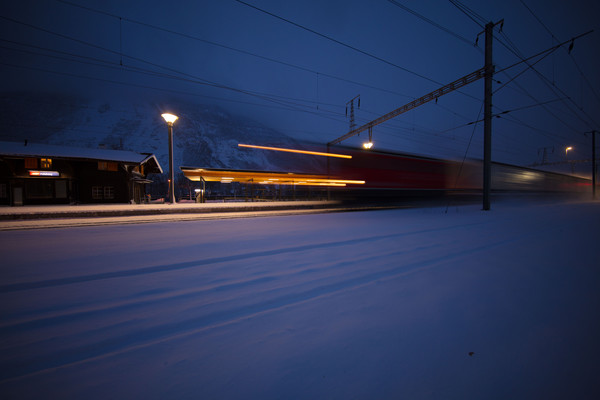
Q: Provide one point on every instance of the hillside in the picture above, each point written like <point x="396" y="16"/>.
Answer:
<point x="204" y="135"/>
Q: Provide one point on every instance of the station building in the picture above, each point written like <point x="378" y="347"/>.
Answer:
<point x="33" y="174"/>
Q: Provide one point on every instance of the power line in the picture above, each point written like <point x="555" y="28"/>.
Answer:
<point x="106" y="64"/>
<point x="424" y="18"/>
<point x="318" y="73"/>
<point x="197" y="80"/>
<point x="338" y="42"/>
<point x="513" y="48"/>
<point x="475" y="17"/>
<point x="571" y="56"/>
<point x="241" y="51"/>
<point x="160" y="89"/>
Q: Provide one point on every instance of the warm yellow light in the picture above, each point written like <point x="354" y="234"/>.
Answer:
<point x="272" y="178"/>
<point x="314" y="153"/>
<point x="367" y="145"/>
<point x="169" y="118"/>
<point x="335" y="181"/>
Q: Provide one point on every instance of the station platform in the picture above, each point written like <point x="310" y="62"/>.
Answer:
<point x="121" y="210"/>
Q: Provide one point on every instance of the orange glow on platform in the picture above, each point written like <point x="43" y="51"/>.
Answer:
<point x="313" y="153"/>
<point x="265" y="178"/>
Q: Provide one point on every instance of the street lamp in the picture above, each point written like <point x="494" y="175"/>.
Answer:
<point x="567" y="151"/>
<point x="170" y="119"/>
<point x="369" y="144"/>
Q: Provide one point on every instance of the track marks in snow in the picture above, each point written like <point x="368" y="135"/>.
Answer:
<point x="199" y="263"/>
<point x="352" y="275"/>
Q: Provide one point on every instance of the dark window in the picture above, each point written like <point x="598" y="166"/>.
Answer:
<point x="109" y="192"/>
<point x="103" y="192"/>
<point x="108" y="166"/>
<point x="97" y="192"/>
<point x="40" y="189"/>
<point x="31" y="163"/>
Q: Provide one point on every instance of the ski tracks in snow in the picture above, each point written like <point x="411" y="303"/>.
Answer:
<point x="81" y="318"/>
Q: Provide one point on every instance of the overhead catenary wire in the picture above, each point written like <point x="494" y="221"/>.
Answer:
<point x="339" y="42"/>
<point x="463" y="8"/>
<point x="153" y="88"/>
<point x="547" y="82"/>
<point x="429" y="21"/>
<point x="242" y="51"/>
<point x="231" y="48"/>
<point x="480" y="21"/>
<point x="137" y="69"/>
<point x="515" y="52"/>
<point x="166" y="75"/>
<point x="183" y="75"/>
<point x="473" y="16"/>
<point x="106" y="64"/>
<point x="317" y="73"/>
<point x="589" y="84"/>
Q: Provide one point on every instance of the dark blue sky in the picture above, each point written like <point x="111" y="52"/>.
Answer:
<point x="249" y="62"/>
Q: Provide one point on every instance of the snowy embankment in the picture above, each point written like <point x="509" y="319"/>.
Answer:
<point x="416" y="304"/>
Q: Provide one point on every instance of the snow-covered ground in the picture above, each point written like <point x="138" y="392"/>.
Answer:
<point x="394" y="304"/>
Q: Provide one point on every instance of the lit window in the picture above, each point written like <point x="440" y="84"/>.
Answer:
<point x="45" y="163"/>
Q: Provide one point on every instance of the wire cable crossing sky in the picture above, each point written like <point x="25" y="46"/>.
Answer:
<point x="295" y="66"/>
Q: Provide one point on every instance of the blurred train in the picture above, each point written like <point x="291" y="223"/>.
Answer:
<point x="391" y="175"/>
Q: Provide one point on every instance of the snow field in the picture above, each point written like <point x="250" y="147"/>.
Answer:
<point x="379" y="304"/>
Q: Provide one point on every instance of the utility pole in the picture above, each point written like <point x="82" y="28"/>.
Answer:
<point x="593" y="163"/>
<point x="351" y="103"/>
<point x="487" y="116"/>
<point x="545" y="154"/>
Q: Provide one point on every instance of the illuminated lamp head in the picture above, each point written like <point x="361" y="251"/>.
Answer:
<point x="368" y="145"/>
<point x="169" y="118"/>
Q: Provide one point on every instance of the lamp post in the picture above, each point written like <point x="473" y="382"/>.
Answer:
<point x="567" y="158"/>
<point x="369" y="144"/>
<point x="170" y="119"/>
<point x="567" y="152"/>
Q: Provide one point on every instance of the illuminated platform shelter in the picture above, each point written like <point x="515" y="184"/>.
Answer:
<point x="264" y="177"/>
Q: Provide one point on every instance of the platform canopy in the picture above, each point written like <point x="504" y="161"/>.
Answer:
<point x="264" y="177"/>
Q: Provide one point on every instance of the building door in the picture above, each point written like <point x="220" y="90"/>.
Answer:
<point x="60" y="189"/>
<point x="17" y="196"/>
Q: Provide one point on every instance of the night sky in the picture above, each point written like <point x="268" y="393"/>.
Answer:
<point x="295" y="65"/>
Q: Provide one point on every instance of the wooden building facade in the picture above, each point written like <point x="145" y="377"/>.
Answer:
<point x="32" y="174"/>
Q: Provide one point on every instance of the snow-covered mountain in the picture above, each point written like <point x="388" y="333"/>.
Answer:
<point x="204" y="136"/>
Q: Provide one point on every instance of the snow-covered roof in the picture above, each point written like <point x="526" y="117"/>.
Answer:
<point x="23" y="149"/>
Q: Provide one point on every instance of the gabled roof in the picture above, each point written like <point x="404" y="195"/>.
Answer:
<point x="22" y="149"/>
